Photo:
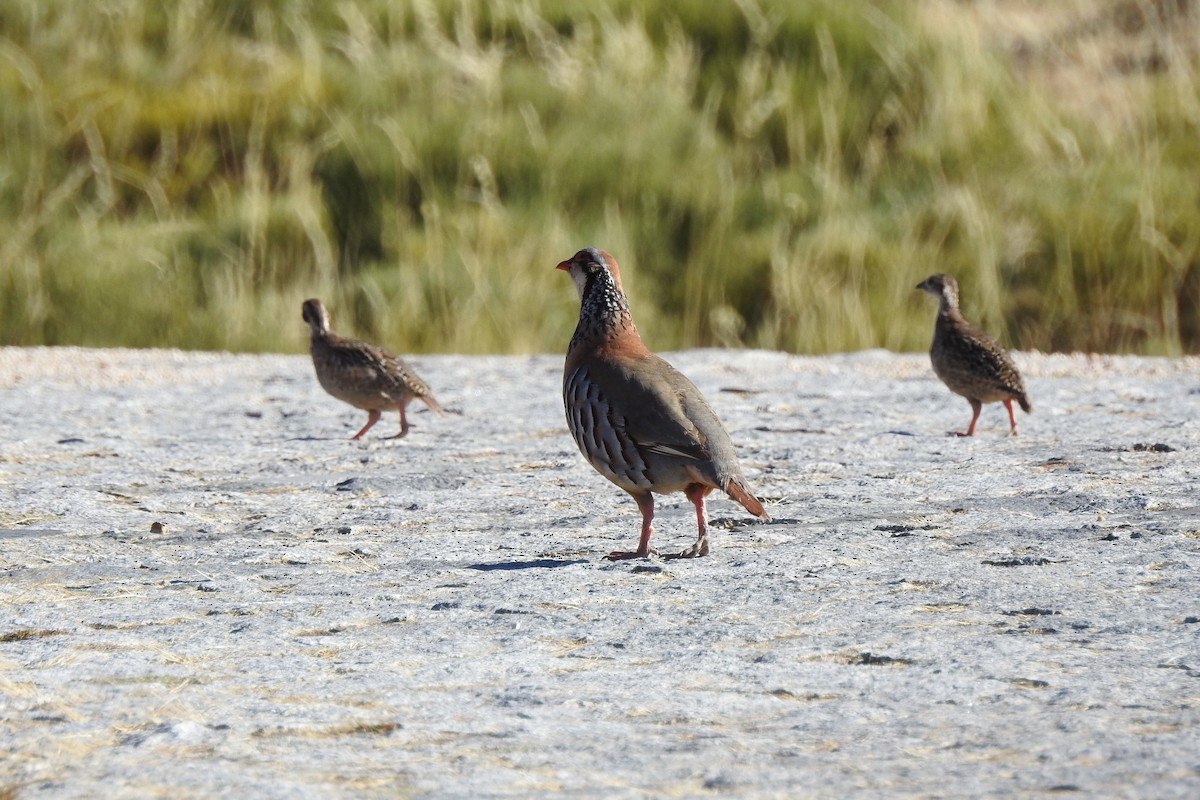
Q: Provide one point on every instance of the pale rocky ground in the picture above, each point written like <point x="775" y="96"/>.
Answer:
<point x="925" y="616"/>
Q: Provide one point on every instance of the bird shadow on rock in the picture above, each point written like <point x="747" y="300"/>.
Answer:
<point x="732" y="523"/>
<point x="538" y="563"/>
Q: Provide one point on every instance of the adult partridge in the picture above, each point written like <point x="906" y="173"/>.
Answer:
<point x="636" y="419"/>
<point x="361" y="374"/>
<point x="970" y="362"/>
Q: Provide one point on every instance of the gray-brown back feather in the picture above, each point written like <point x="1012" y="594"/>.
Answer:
<point x="973" y="364"/>
<point x="645" y="426"/>
<point x="364" y="375"/>
<point x="969" y="361"/>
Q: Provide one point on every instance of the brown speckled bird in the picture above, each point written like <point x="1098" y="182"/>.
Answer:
<point x="361" y="374"/>
<point x="636" y="419"/>
<point x="970" y="362"/>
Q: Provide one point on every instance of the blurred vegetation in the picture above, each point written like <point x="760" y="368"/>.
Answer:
<point x="774" y="175"/>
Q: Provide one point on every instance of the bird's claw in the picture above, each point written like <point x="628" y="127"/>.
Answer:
<point x="700" y="548"/>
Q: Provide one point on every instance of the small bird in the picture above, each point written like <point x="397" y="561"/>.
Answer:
<point x="361" y="374"/>
<point x="970" y="362"/>
<point x="637" y="420"/>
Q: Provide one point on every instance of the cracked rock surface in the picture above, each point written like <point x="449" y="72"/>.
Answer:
<point x="208" y="591"/>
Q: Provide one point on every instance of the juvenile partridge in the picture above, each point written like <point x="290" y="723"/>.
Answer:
<point x="361" y="374"/>
<point x="637" y="420"/>
<point x="970" y="362"/>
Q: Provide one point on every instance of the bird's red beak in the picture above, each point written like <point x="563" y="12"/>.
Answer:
<point x="565" y="266"/>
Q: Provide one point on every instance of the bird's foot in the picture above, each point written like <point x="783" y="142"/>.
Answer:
<point x="959" y="434"/>
<point x="700" y="548"/>
<point x="399" y="435"/>
<point x="621" y="555"/>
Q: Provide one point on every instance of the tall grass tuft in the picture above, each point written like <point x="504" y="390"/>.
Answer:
<point x="771" y="175"/>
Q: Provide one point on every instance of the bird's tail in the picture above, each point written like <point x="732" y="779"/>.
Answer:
<point x="434" y="405"/>
<point x="1026" y="406"/>
<point x="738" y="490"/>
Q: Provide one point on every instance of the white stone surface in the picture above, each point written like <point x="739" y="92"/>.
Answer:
<point x="925" y="616"/>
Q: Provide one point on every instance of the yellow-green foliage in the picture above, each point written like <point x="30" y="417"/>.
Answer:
<point x="771" y="174"/>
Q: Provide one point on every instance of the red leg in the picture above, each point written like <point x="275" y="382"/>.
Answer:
<point x="696" y="493"/>
<point x="404" y="426"/>
<point x="372" y="417"/>
<point x="976" y="407"/>
<point x="1012" y="417"/>
<point x="646" y="504"/>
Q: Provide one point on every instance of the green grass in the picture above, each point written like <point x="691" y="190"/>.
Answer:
<point x="774" y="175"/>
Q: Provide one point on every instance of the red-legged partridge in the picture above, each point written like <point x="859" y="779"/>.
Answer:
<point x="361" y="374"/>
<point x="970" y="362"/>
<point x="637" y="420"/>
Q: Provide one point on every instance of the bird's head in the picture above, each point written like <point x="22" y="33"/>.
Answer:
<point x="316" y="316"/>
<point x="590" y="265"/>
<point x="603" y="306"/>
<point x="943" y="287"/>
